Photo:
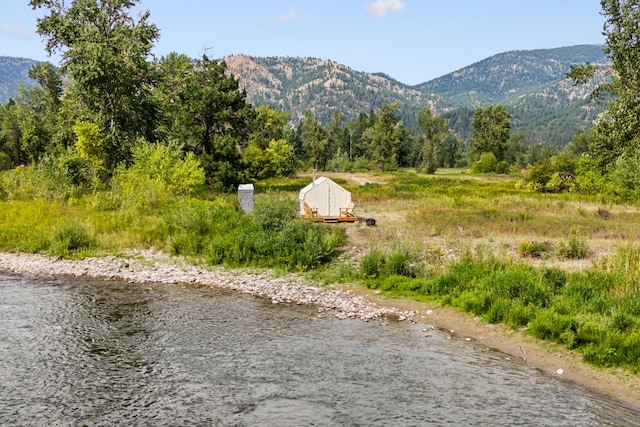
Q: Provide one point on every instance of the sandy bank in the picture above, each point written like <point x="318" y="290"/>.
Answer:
<point x="343" y="302"/>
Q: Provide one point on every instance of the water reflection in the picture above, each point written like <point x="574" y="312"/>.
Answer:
<point x="88" y="352"/>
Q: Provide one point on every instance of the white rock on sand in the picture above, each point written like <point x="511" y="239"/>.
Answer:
<point x="148" y="266"/>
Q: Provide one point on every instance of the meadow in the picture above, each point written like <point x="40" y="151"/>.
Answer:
<point x="562" y="267"/>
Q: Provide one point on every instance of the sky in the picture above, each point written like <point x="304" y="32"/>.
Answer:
<point x="413" y="41"/>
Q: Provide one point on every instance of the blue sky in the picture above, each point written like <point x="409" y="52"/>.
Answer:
<point x="413" y="41"/>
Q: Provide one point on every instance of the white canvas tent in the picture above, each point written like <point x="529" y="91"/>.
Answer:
<point x="324" y="198"/>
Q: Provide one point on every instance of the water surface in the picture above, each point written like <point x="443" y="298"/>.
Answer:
<point x="91" y="352"/>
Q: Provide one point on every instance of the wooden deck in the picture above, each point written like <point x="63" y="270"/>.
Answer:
<point x="333" y="219"/>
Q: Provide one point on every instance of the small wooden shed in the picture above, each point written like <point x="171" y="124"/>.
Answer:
<point x="324" y="199"/>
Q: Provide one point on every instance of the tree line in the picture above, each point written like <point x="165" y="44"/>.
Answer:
<point x="108" y="101"/>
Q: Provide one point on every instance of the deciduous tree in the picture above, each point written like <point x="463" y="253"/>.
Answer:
<point x="104" y="51"/>
<point x="434" y="129"/>
<point x="490" y="131"/>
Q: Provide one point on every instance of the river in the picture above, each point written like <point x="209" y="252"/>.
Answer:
<point x="78" y="351"/>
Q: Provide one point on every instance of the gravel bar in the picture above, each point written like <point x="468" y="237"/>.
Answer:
<point x="154" y="267"/>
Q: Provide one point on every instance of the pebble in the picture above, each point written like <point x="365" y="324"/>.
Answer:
<point x="159" y="268"/>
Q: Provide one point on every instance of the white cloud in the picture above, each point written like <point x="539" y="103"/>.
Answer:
<point x="13" y="31"/>
<point x="380" y="8"/>
<point x="290" y="16"/>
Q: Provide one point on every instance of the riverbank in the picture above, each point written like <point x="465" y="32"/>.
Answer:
<point x="148" y="266"/>
<point x="342" y="301"/>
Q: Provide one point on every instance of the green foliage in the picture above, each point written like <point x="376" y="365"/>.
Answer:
<point x="58" y="177"/>
<point x="105" y="56"/>
<point x="434" y="130"/>
<point x="385" y="138"/>
<point x="276" y="160"/>
<point x="534" y="249"/>
<point x="214" y="120"/>
<point x="158" y="174"/>
<point x="594" y="312"/>
<point x="372" y="265"/>
<point x="491" y="127"/>
<point x="575" y="248"/>
<point x="70" y="237"/>
<point x="487" y="163"/>
<point x="398" y="261"/>
<point x="5" y="161"/>
<point x="89" y="144"/>
<point x="272" y="214"/>
<point x="554" y="175"/>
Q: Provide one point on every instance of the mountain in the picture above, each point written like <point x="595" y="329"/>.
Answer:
<point x="13" y="71"/>
<point x="324" y="87"/>
<point x="530" y="83"/>
<point x="502" y="78"/>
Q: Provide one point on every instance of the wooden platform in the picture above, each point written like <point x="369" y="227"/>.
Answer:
<point x="333" y="219"/>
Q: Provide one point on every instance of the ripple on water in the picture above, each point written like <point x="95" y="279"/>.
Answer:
<point x="84" y="351"/>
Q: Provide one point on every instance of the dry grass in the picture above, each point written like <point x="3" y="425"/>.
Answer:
<point x="453" y="212"/>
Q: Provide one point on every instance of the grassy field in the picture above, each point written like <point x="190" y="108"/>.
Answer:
<point x="565" y="267"/>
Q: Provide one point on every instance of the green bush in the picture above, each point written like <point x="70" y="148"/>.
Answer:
<point x="519" y="315"/>
<point x="159" y="174"/>
<point x="5" y="161"/>
<point x="534" y="249"/>
<point x="372" y="265"/>
<point x="272" y="213"/>
<point x="398" y="263"/>
<point x="575" y="248"/>
<point x="485" y="164"/>
<point x="548" y="324"/>
<point x="69" y="238"/>
<point x="498" y="311"/>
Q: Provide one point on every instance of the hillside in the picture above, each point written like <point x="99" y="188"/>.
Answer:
<point x="324" y="87"/>
<point x="504" y="78"/>
<point x="532" y="84"/>
<point x="13" y="71"/>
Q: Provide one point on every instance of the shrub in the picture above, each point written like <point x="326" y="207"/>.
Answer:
<point x="272" y="213"/>
<point x="5" y="161"/>
<point x="486" y="163"/>
<point x="159" y="173"/>
<point x="548" y="324"/>
<point x="498" y="311"/>
<point x="70" y="237"/>
<point x="519" y="315"/>
<point x="372" y="265"/>
<point x="534" y="249"/>
<point x="575" y="248"/>
<point x="397" y="264"/>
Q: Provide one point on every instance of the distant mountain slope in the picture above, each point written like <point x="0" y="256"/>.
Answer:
<point x="502" y="78"/>
<point x="323" y="87"/>
<point x="532" y="84"/>
<point x="13" y="71"/>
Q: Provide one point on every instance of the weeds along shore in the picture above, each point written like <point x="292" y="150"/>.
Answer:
<point x="561" y="267"/>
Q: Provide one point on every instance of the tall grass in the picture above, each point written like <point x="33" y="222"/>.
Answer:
<point x="213" y="230"/>
<point x="596" y="312"/>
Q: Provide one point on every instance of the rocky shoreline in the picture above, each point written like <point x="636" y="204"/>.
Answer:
<point x="154" y="267"/>
<point x="148" y="266"/>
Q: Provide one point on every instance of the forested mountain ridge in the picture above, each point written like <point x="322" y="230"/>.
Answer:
<point x="502" y="78"/>
<point x="13" y="72"/>
<point x="531" y="84"/>
<point x="324" y="87"/>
